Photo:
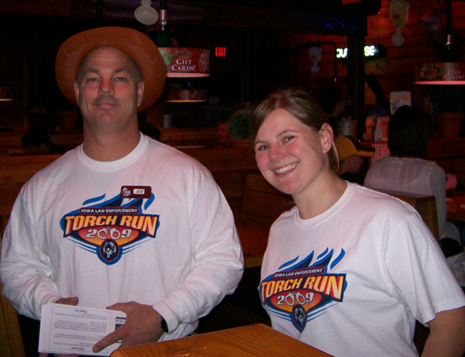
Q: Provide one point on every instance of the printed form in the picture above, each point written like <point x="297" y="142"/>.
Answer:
<point x="70" y="329"/>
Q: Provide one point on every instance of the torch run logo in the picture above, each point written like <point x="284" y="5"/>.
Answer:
<point x="301" y="291"/>
<point x="112" y="228"/>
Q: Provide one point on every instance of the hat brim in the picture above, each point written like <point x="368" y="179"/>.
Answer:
<point x="346" y="154"/>
<point x="134" y="43"/>
<point x="365" y="153"/>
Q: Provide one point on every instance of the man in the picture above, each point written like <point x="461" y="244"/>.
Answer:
<point x="122" y="221"/>
<point x="370" y="128"/>
<point x="351" y="157"/>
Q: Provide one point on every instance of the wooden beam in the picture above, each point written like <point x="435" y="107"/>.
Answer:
<point x="38" y="7"/>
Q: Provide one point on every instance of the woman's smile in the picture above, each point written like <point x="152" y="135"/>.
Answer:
<point x="285" y="169"/>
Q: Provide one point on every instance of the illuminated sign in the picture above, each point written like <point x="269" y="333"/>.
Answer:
<point x="370" y="51"/>
<point x="220" y="51"/>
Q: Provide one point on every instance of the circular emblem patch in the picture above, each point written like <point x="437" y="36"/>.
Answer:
<point x="109" y="251"/>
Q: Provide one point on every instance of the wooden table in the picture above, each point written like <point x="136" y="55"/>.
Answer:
<point x="456" y="207"/>
<point x="246" y="341"/>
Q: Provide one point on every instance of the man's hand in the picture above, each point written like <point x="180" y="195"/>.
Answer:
<point x="142" y="326"/>
<point x="68" y="301"/>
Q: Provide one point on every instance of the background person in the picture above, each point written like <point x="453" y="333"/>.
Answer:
<point x="370" y="128"/>
<point x="165" y="252"/>
<point x="37" y="139"/>
<point x="348" y="269"/>
<point x="223" y="137"/>
<point x="407" y="170"/>
<point x="373" y="112"/>
<point x="352" y="155"/>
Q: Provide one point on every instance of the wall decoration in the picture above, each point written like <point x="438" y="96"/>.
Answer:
<point x="398" y="10"/>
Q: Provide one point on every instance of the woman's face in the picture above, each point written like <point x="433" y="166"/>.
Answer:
<point x="291" y="155"/>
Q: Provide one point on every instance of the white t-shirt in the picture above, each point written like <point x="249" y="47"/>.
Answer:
<point x="152" y="227"/>
<point x="352" y="280"/>
<point x="415" y="176"/>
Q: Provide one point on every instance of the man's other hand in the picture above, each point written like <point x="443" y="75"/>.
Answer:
<point x="142" y="326"/>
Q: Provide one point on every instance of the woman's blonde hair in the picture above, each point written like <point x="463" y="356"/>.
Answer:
<point x="301" y="105"/>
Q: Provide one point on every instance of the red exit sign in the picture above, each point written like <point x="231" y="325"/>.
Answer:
<point x="220" y="51"/>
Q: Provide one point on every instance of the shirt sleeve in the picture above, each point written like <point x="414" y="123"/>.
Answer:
<point x="218" y="260"/>
<point x="420" y="275"/>
<point x="24" y="269"/>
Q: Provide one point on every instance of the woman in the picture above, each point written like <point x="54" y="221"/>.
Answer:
<point x="348" y="270"/>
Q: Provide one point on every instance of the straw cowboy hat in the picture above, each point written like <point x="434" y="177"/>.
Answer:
<point x="134" y="43"/>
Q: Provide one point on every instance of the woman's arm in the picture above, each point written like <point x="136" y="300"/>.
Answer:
<point x="447" y="334"/>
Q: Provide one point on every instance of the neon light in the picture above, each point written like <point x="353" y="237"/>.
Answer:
<point x="370" y="51"/>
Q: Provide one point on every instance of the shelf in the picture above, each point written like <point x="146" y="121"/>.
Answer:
<point x="187" y="75"/>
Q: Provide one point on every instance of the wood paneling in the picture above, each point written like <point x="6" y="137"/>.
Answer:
<point x="262" y="203"/>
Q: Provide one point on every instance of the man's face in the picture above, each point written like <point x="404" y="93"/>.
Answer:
<point x="107" y="92"/>
<point x="223" y="132"/>
<point x="370" y="128"/>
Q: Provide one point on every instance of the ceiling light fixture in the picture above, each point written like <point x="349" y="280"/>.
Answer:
<point x="145" y="13"/>
<point x="398" y="11"/>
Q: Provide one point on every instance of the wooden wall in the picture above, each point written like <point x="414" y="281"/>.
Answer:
<point x="394" y="71"/>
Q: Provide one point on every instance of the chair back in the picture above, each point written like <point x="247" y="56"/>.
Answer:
<point x="425" y="206"/>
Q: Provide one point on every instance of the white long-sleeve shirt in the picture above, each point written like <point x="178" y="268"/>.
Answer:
<point x="152" y="227"/>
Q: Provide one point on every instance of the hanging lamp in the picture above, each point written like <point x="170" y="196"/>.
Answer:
<point x="145" y="13"/>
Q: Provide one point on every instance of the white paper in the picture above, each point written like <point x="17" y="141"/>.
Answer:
<point x="398" y="99"/>
<point x="381" y="132"/>
<point x="75" y="329"/>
